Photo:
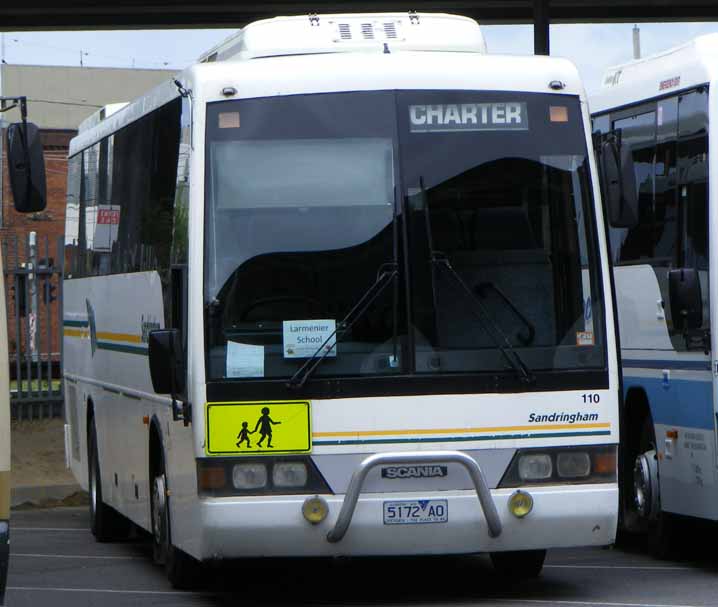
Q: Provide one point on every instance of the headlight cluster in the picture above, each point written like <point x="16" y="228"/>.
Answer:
<point x="258" y="476"/>
<point x="590" y="464"/>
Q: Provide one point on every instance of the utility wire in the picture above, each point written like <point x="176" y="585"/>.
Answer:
<point x="65" y="49"/>
<point x="55" y="102"/>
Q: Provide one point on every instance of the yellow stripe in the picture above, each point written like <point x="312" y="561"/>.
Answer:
<point x="126" y="337"/>
<point x="426" y="431"/>
<point x="123" y="337"/>
<point x="76" y="332"/>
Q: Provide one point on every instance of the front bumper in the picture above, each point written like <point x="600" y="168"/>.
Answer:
<point x="562" y="516"/>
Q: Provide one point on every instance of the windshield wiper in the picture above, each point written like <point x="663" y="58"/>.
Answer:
<point x="490" y="325"/>
<point x="492" y="328"/>
<point x="386" y="274"/>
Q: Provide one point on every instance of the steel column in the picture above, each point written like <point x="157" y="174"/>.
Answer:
<point x="541" y="27"/>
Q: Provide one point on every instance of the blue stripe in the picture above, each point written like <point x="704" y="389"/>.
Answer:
<point x="104" y="345"/>
<point x="75" y="323"/>
<point x="453" y="439"/>
<point x="678" y="365"/>
<point x="677" y="402"/>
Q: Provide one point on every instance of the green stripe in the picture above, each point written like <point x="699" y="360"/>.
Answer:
<point x="104" y="345"/>
<point x="454" y="439"/>
<point x="75" y="323"/>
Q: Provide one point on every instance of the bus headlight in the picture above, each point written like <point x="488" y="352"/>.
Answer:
<point x="249" y="476"/>
<point x="562" y="465"/>
<point x="232" y="476"/>
<point x="535" y="466"/>
<point x="573" y="464"/>
<point x="289" y="474"/>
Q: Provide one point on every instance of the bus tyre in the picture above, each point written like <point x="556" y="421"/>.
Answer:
<point x="646" y="487"/>
<point x="524" y="564"/>
<point x="183" y="571"/>
<point x="106" y="523"/>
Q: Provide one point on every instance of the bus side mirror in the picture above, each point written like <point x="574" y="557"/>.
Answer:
<point x="26" y="167"/>
<point x="618" y="182"/>
<point x="166" y="370"/>
<point x="686" y="301"/>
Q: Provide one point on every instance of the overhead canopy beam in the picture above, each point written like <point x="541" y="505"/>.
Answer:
<point x="123" y="14"/>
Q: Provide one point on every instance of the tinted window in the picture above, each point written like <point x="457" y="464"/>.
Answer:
<point x="669" y="143"/>
<point x="639" y="133"/>
<point x="121" y="198"/>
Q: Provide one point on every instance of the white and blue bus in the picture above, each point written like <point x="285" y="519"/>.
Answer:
<point x="659" y="111"/>
<point x="342" y="288"/>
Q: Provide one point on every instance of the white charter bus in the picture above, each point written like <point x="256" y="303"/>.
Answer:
<point x="342" y="289"/>
<point x="662" y="112"/>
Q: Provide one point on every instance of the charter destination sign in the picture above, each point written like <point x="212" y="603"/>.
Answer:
<point x="446" y="118"/>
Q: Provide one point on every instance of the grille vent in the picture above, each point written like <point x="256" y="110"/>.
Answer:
<point x="345" y="32"/>
<point x="390" y="29"/>
<point x="367" y="31"/>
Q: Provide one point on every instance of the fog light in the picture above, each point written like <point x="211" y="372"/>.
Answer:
<point x="289" y="474"/>
<point x="249" y="476"/>
<point x="535" y="466"/>
<point x="573" y="464"/>
<point x="520" y="504"/>
<point x="315" y="509"/>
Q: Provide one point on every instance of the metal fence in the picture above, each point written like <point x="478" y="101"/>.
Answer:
<point x="33" y="291"/>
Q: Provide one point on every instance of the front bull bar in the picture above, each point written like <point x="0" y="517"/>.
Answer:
<point x="421" y="457"/>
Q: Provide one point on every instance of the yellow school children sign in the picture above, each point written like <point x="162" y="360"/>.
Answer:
<point x="258" y="428"/>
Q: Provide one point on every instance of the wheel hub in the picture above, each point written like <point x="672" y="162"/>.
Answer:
<point x="645" y="485"/>
<point x="93" y="487"/>
<point x="158" y="507"/>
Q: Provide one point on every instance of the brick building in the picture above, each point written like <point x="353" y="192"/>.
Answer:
<point x="59" y="98"/>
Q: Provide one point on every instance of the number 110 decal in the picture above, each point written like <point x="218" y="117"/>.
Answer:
<point x="591" y="399"/>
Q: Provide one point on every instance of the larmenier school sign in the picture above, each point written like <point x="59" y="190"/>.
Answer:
<point x="507" y="116"/>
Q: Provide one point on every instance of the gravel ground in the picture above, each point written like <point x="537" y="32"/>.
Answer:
<point x="38" y="453"/>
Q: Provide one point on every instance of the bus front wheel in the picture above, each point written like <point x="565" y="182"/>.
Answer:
<point x="523" y="564"/>
<point x="646" y="495"/>
<point x="183" y="571"/>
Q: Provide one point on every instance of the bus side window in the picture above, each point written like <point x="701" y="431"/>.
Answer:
<point x="72" y="217"/>
<point x="637" y="244"/>
<point x="667" y="237"/>
<point x="692" y="159"/>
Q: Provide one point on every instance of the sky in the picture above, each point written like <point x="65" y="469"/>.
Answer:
<point x="592" y="47"/>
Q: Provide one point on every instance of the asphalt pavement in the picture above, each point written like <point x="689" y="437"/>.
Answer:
<point x="56" y="562"/>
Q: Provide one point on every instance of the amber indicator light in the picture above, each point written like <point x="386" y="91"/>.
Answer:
<point x="228" y="120"/>
<point x="212" y="477"/>
<point x="604" y="463"/>
<point x="558" y="113"/>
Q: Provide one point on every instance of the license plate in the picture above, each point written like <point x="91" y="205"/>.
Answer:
<point x="416" y="512"/>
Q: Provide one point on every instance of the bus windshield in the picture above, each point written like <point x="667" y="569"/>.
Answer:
<point x="479" y="202"/>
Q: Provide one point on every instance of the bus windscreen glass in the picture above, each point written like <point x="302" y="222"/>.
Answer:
<point x="480" y="200"/>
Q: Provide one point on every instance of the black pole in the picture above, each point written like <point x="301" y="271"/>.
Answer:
<point x="541" y="26"/>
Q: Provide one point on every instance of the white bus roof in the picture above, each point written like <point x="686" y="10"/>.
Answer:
<point x="104" y="112"/>
<point x="683" y="67"/>
<point x="350" y="33"/>
<point x="363" y="70"/>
